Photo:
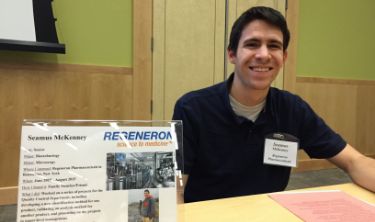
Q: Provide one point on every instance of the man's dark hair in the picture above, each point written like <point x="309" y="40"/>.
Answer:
<point x="269" y="15"/>
<point x="146" y="191"/>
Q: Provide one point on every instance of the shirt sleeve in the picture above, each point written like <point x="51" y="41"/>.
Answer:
<point x="316" y="137"/>
<point x="186" y="154"/>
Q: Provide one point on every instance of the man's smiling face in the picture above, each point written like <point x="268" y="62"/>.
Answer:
<point x="259" y="57"/>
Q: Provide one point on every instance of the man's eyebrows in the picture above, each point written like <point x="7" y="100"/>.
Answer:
<point x="255" y="39"/>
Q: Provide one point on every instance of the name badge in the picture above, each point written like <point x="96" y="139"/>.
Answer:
<point x="280" y="149"/>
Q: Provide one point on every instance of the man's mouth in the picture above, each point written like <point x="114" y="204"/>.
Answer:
<point x="260" y="69"/>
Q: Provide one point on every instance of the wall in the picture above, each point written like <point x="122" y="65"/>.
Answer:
<point x="334" y="69"/>
<point x="95" y="32"/>
<point x="336" y="39"/>
<point x="93" y="80"/>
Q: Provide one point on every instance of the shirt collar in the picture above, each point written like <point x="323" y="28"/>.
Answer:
<point x="268" y="109"/>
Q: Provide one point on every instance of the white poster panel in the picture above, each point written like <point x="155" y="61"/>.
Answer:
<point x="17" y="20"/>
<point x="97" y="173"/>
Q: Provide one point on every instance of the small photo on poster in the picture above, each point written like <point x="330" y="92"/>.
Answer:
<point x="138" y="170"/>
<point x="143" y="205"/>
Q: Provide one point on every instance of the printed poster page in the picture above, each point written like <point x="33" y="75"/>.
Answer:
<point x="98" y="173"/>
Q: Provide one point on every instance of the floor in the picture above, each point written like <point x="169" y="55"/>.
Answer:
<point x="297" y="181"/>
<point x="317" y="178"/>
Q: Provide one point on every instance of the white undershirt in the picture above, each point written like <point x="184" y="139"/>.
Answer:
<point x="249" y="112"/>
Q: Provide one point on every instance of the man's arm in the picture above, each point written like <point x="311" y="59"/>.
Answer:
<point x="359" y="167"/>
<point x="180" y="189"/>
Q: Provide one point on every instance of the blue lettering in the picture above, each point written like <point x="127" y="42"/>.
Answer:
<point x="154" y="135"/>
<point x="115" y="135"/>
<point x="162" y="135"/>
<point x="107" y="136"/>
<point x="138" y="135"/>
<point x="131" y="135"/>
<point x="122" y="135"/>
<point x="146" y="135"/>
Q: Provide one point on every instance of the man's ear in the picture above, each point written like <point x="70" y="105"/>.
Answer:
<point x="231" y="56"/>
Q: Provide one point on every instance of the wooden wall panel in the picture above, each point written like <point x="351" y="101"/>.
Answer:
<point x="290" y="67"/>
<point x="365" y="135"/>
<point x="42" y="91"/>
<point x="346" y="107"/>
<point x="335" y="103"/>
<point x="142" y="59"/>
<point x="8" y="195"/>
<point x="190" y="32"/>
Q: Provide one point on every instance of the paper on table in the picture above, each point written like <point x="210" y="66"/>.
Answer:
<point x="329" y="206"/>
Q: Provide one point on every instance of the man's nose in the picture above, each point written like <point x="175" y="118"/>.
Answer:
<point x="263" y="53"/>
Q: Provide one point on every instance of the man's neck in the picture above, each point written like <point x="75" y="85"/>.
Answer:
<point x="247" y="96"/>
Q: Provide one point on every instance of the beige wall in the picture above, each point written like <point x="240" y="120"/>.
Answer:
<point x="346" y="105"/>
<point x="329" y="40"/>
<point x="43" y="91"/>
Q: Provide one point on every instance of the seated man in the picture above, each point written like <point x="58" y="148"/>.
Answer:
<point x="225" y="125"/>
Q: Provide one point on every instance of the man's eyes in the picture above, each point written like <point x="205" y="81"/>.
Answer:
<point x="252" y="45"/>
<point x="275" y="46"/>
<point x="257" y="45"/>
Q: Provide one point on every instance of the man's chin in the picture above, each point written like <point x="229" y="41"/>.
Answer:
<point x="260" y="85"/>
